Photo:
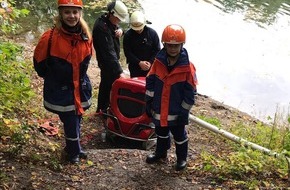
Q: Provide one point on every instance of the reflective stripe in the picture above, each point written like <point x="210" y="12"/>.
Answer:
<point x="65" y="108"/>
<point x="180" y="143"/>
<point x="169" y="117"/>
<point x="163" y="137"/>
<point x="59" y="108"/>
<point x="72" y="139"/>
<point x="149" y="93"/>
<point x="87" y="103"/>
<point x="186" y="106"/>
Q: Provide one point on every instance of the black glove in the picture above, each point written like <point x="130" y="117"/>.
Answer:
<point x="148" y="108"/>
<point x="41" y="68"/>
<point x="182" y="119"/>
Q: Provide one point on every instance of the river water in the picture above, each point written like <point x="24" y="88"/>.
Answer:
<point x="241" y="52"/>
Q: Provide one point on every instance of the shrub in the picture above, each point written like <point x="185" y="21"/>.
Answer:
<point x="15" y="90"/>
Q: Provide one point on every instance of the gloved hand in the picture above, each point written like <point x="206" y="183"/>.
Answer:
<point x="182" y="119"/>
<point x="41" y="68"/>
<point x="148" y="108"/>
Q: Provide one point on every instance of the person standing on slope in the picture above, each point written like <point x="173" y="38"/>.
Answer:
<point x="106" y="35"/>
<point x="61" y="58"/>
<point x="170" y="94"/>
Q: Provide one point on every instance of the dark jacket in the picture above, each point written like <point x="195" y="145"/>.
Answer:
<point x="67" y="88"/>
<point x="140" y="47"/>
<point x="170" y="93"/>
<point x="107" y="46"/>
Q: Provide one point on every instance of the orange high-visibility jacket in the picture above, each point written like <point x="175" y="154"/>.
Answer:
<point x="67" y="87"/>
<point x="170" y="92"/>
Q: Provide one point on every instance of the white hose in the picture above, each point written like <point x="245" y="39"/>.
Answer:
<point x="237" y="139"/>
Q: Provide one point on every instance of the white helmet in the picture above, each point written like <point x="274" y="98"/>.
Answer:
<point x="119" y="10"/>
<point x="137" y="20"/>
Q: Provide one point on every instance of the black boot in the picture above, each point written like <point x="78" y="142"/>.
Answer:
<point x="152" y="158"/>
<point x="65" y="157"/>
<point x="180" y="165"/>
<point x="181" y="153"/>
<point x="74" y="159"/>
<point x="83" y="155"/>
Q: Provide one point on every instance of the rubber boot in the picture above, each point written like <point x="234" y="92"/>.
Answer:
<point x="180" y="165"/>
<point x="83" y="155"/>
<point x="74" y="159"/>
<point x="163" y="144"/>
<point x="181" y="154"/>
<point x="155" y="157"/>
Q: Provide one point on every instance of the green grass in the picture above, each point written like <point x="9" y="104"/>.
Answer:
<point x="242" y="162"/>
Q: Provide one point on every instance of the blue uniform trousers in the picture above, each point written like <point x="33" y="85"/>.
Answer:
<point x="180" y="138"/>
<point x="72" y="129"/>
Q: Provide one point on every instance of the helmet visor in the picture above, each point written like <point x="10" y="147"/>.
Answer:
<point x="137" y="25"/>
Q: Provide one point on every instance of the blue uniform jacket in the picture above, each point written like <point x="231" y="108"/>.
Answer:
<point x="171" y="94"/>
<point x="67" y="88"/>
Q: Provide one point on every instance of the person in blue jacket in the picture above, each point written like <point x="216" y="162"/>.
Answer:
<point x="62" y="58"/>
<point x="170" y="94"/>
<point x="141" y="44"/>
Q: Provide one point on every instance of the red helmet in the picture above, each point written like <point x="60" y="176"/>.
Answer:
<point x="173" y="34"/>
<point x="70" y="3"/>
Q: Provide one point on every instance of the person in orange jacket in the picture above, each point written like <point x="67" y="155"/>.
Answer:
<point x="170" y="94"/>
<point x="61" y="58"/>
